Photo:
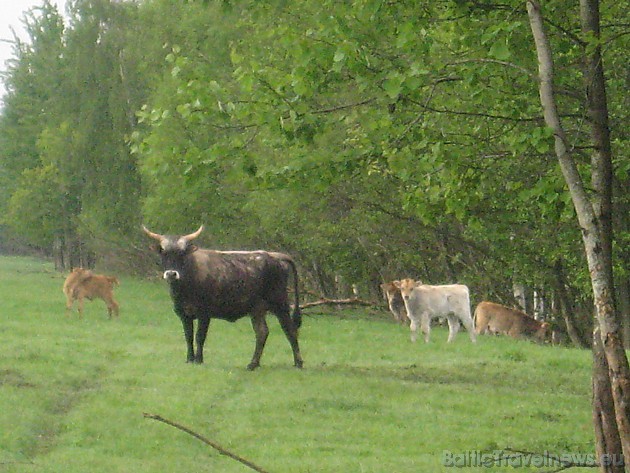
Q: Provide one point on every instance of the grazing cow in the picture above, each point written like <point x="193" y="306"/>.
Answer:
<point x="498" y="319"/>
<point x="228" y="285"/>
<point x="395" y="302"/>
<point x="424" y="303"/>
<point x="83" y="283"/>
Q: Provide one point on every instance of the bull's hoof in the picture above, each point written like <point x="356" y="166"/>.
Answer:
<point x="252" y="366"/>
<point x="299" y="364"/>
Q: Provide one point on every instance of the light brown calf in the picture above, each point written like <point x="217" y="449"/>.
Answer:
<point x="83" y="283"/>
<point x="498" y="319"/>
<point x="395" y="302"/>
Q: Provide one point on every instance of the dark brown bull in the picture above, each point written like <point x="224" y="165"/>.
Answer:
<point x="228" y="285"/>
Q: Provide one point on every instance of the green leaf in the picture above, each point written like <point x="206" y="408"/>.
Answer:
<point x="393" y="85"/>
<point x="500" y="50"/>
<point x="339" y="56"/>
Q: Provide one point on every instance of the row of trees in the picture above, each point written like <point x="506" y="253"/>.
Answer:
<point x="372" y="139"/>
<point x="380" y="141"/>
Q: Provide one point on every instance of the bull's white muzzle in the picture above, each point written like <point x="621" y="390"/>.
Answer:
<point x="171" y="275"/>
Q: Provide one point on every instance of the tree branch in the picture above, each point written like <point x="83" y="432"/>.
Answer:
<point x="495" y="61"/>
<point x="325" y="301"/>
<point x="214" y="445"/>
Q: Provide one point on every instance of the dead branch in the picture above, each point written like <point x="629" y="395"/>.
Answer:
<point x="214" y="445"/>
<point x="325" y="301"/>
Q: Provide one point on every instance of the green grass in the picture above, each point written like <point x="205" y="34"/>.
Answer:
<point x="73" y="392"/>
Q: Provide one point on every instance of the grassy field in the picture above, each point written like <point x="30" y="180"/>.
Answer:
<point x="73" y="392"/>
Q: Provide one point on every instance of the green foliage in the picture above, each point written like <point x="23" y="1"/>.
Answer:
<point x="76" y="125"/>
<point x="74" y="392"/>
<point x="35" y="209"/>
<point x="372" y="139"/>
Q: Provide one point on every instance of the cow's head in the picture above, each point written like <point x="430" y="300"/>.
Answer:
<point x="390" y="291"/>
<point x="541" y="333"/>
<point x="173" y="251"/>
<point x="406" y="286"/>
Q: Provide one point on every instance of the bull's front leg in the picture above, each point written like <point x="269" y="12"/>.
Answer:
<point x="202" y="332"/>
<point x="187" y="323"/>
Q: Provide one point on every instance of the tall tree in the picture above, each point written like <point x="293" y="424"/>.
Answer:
<point x="81" y="101"/>
<point x="34" y="81"/>
<point x="594" y="214"/>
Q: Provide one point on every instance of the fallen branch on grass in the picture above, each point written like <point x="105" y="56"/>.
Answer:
<point x="214" y="445"/>
<point x="325" y="301"/>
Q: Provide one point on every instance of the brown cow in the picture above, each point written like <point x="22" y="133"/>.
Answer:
<point x="83" y="283"/>
<point x="498" y="319"/>
<point x="395" y="302"/>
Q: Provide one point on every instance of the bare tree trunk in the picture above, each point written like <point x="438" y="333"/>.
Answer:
<point x="606" y="436"/>
<point x="623" y="297"/>
<point x="522" y="294"/>
<point x="595" y="241"/>
<point x="622" y="221"/>
<point x="575" y="330"/>
<point x="602" y="182"/>
<point x="58" y="254"/>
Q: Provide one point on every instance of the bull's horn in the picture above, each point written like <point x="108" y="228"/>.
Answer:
<point x="155" y="236"/>
<point x="194" y="235"/>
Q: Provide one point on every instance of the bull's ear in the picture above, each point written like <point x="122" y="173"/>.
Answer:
<point x="155" y="247"/>
<point x="191" y="248"/>
<point x="418" y="283"/>
<point x="396" y="283"/>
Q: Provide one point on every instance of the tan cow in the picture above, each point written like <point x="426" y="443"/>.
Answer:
<point x="83" y="283"/>
<point x="75" y="277"/>
<point x="498" y="319"/>
<point x="395" y="302"/>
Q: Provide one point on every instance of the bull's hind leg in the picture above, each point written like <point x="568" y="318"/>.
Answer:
<point x="291" y="332"/>
<point x="262" y="331"/>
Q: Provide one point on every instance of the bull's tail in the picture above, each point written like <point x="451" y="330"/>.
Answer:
<point x="297" y="314"/>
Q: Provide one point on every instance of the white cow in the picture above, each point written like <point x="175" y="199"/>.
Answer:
<point x="424" y="303"/>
